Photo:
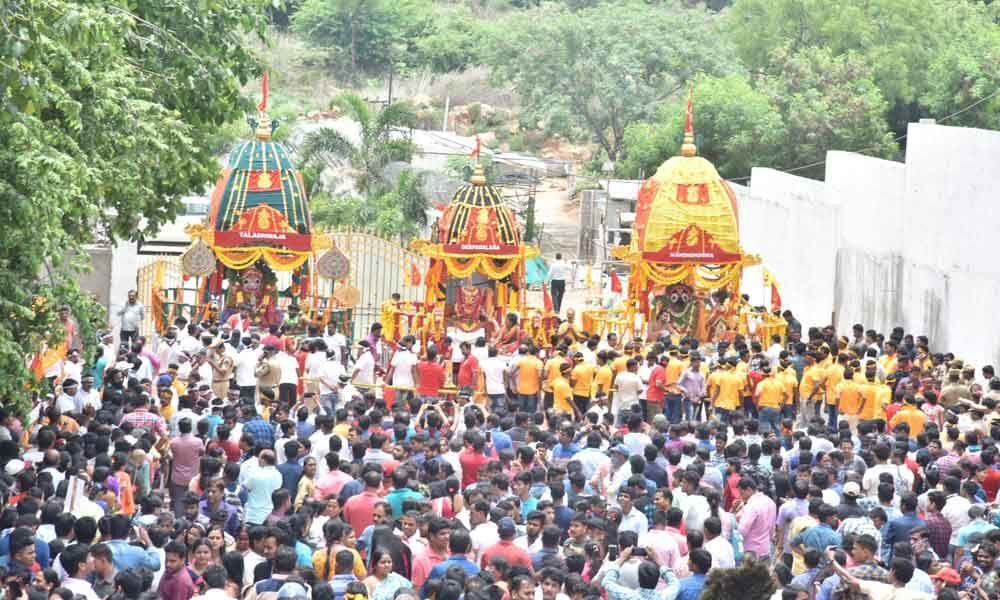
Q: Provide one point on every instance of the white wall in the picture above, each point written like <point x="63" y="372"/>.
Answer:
<point x="888" y="243"/>
<point x="788" y="221"/>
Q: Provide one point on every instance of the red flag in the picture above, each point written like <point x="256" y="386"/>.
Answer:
<point x="263" y="101"/>
<point x="616" y="283"/>
<point x="478" y="148"/>
<point x="775" y="299"/>
<point x="546" y="298"/>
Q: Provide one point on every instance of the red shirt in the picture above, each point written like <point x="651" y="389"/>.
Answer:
<point x="891" y="410"/>
<point x="431" y="377"/>
<point x="654" y="395"/>
<point x="514" y="555"/>
<point x="272" y="340"/>
<point x="991" y="483"/>
<point x="471" y="462"/>
<point x="359" y="510"/>
<point x="231" y="448"/>
<point x="465" y="372"/>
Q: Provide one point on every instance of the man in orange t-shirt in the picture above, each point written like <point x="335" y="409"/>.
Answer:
<point x="468" y="372"/>
<point x="527" y="372"/>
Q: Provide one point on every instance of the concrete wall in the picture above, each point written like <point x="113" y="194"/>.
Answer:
<point x="788" y="221"/>
<point x="886" y="243"/>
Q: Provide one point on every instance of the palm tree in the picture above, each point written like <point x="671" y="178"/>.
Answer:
<point x="380" y="142"/>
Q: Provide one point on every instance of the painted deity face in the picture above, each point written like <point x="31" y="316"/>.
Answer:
<point x="252" y="280"/>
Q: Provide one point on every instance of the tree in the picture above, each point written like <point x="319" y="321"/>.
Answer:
<point x="376" y="34"/>
<point x="453" y="42"/>
<point x="399" y="211"/>
<point x="105" y="122"/>
<point x="827" y="102"/>
<point x="736" y="128"/>
<point x="379" y="141"/>
<point x="605" y="67"/>
<point x="966" y="74"/>
<point x="898" y="39"/>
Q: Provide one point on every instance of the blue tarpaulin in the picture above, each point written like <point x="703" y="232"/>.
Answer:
<point x="537" y="271"/>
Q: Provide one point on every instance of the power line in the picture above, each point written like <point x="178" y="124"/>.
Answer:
<point x="872" y="148"/>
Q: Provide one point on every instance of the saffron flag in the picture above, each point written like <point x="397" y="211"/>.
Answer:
<point x="263" y="100"/>
<point x="414" y="274"/>
<point x="477" y="149"/>
<point x="616" y="283"/>
<point x="546" y="298"/>
<point x="775" y="293"/>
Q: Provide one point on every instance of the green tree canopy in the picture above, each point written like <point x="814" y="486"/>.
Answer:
<point x="379" y="141"/>
<point x="827" y="102"/>
<point x="605" y="67"/>
<point x="106" y="118"/>
<point x="898" y="39"/>
<point x="365" y="35"/>
<point x="736" y="128"/>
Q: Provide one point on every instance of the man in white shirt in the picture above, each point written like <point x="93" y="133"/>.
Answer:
<point x="559" y="272"/>
<point x="288" y="383"/>
<point x="88" y="396"/>
<point x="403" y="370"/>
<point x="329" y="373"/>
<point x="246" y="363"/>
<point x="75" y="560"/>
<point x="364" y="366"/>
<point x="72" y="367"/>
<point x="335" y="341"/>
<point x="495" y="374"/>
<point x="484" y="531"/>
<point x="592" y="458"/>
<point x="632" y="518"/>
<point x="66" y="402"/>
<point x="719" y="547"/>
<point x="628" y="387"/>
<point x="774" y="351"/>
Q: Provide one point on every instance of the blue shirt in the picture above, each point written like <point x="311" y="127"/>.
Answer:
<point x="691" y="587"/>
<point x="126" y="556"/>
<point x="261" y="430"/>
<point x="339" y="585"/>
<point x="818" y="537"/>
<point x="291" y="472"/>
<point x="41" y="550"/>
<point x="304" y="429"/>
<point x="538" y="556"/>
<point x="897" y="530"/>
<point x="561" y="452"/>
<point x="396" y="498"/>
<point x="260" y="484"/>
<point x="500" y="439"/>
<point x="471" y="570"/>
<point x="213" y="422"/>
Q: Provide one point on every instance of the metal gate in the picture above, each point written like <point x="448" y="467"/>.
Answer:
<point x="379" y="268"/>
<point x="161" y="289"/>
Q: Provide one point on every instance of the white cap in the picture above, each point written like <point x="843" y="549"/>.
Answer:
<point x="14" y="467"/>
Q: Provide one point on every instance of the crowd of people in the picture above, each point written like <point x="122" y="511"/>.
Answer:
<point x="222" y="462"/>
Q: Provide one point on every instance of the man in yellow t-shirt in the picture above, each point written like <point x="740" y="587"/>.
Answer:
<point x="551" y="372"/>
<point x="582" y="379"/>
<point x="790" y="379"/>
<point x="729" y="392"/>
<point x="915" y="418"/>
<point x="770" y="397"/>
<point x="672" y="374"/>
<point x="848" y="394"/>
<point x="604" y="376"/>
<point x="833" y="375"/>
<point x="562" y="392"/>
<point x="810" y="389"/>
<point x="870" y="399"/>
<point x="890" y="359"/>
<point x="527" y="372"/>
<point x="621" y="360"/>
